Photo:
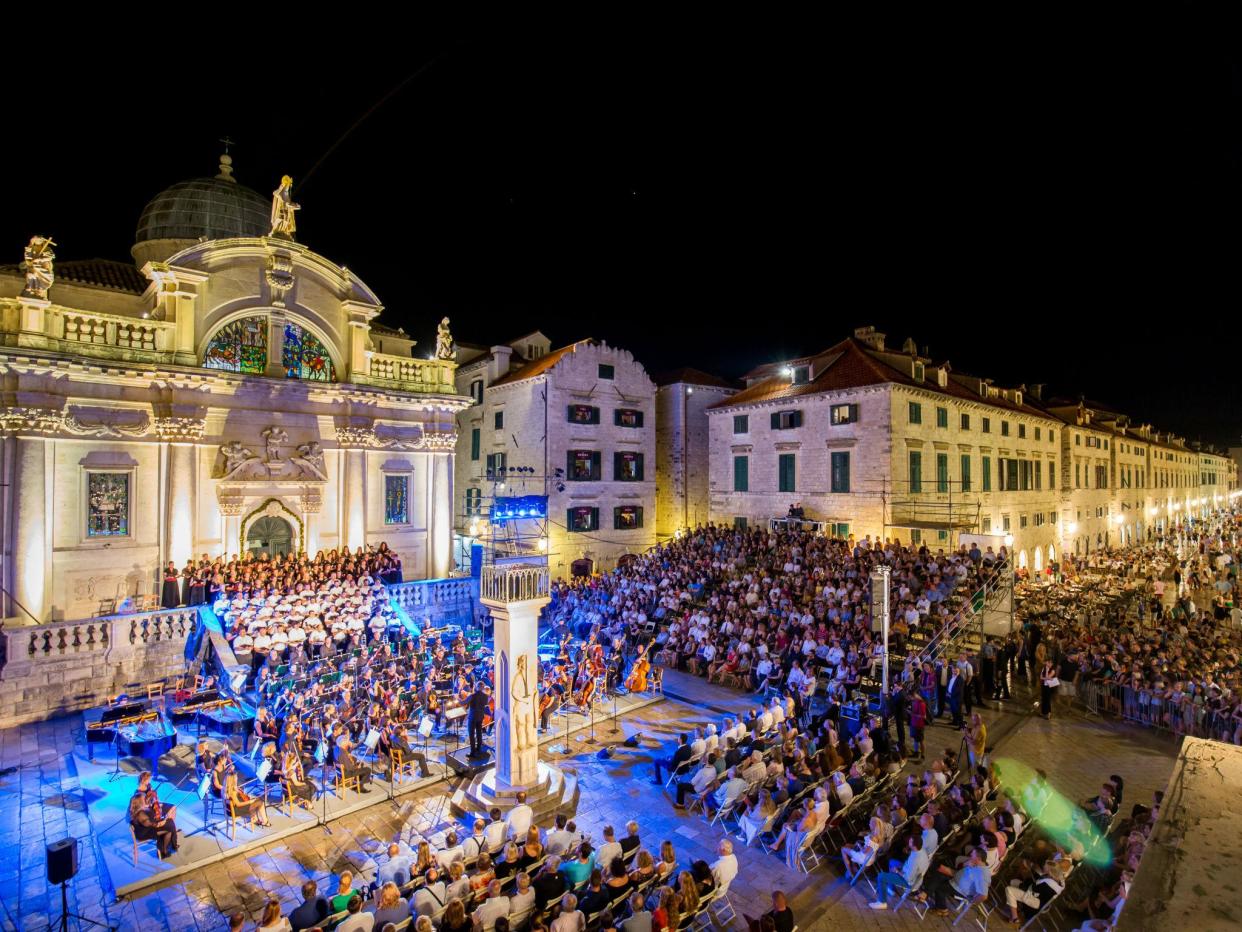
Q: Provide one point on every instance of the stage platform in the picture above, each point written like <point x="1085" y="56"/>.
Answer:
<point x="107" y="801"/>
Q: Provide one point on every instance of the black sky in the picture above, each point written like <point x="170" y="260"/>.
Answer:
<point x="1031" y="212"/>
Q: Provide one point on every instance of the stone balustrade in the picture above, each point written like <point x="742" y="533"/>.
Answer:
<point x="67" y="666"/>
<point x="435" y="598"/>
<point x="97" y="334"/>
<point x="404" y="373"/>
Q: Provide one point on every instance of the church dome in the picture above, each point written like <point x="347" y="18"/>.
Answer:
<point x="202" y="208"/>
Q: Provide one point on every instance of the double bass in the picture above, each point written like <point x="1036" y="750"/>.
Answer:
<point x="637" y="680"/>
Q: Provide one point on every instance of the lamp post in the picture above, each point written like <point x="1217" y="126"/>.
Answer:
<point x="879" y="608"/>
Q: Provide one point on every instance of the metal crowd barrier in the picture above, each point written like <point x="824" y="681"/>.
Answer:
<point x="1182" y="716"/>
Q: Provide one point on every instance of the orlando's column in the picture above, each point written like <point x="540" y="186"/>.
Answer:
<point x="515" y="592"/>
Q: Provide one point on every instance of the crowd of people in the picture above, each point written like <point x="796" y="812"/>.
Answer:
<point x="506" y="873"/>
<point x="1152" y="634"/>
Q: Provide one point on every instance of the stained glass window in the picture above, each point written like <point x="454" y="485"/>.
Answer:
<point x="107" y="504"/>
<point x="240" y="346"/>
<point x="305" y="357"/>
<point x="396" y="499"/>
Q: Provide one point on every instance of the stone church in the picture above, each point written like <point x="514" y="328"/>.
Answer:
<point x="229" y="390"/>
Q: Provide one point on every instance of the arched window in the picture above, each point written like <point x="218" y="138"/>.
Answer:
<point x="305" y="357"/>
<point x="240" y="346"/>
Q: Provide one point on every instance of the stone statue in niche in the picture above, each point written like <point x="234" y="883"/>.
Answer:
<point x="38" y="267"/>
<point x="523" y="706"/>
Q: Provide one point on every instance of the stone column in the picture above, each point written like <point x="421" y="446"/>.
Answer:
<point x="440" y="543"/>
<point x="354" y="441"/>
<point x="30" y="572"/>
<point x="311" y="502"/>
<point x="180" y="434"/>
<point x="515" y="595"/>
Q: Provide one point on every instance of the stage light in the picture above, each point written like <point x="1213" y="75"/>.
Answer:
<point x="1008" y="540"/>
<point x="543" y="545"/>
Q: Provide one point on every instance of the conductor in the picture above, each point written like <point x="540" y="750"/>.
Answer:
<point x="478" y="711"/>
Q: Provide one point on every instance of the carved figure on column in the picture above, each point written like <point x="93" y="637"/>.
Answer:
<point x="273" y="437"/>
<point x="38" y="267"/>
<point x="523" y="706"/>
<point x="283" y="223"/>
<point x="444" y="341"/>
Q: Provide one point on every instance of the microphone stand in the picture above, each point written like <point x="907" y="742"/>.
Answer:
<point x="323" y="771"/>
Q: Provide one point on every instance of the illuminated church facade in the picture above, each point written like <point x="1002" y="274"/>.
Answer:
<point x="229" y="390"/>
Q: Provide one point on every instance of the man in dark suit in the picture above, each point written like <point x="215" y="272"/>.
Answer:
<point x="953" y="692"/>
<point x="312" y="912"/>
<point x="680" y="756"/>
<point x="478" y="709"/>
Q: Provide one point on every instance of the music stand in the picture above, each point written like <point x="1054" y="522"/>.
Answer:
<point x="204" y="793"/>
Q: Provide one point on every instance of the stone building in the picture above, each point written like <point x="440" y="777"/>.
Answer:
<point x="682" y="447"/>
<point x="870" y="441"/>
<point x="575" y="423"/>
<point x="230" y="392"/>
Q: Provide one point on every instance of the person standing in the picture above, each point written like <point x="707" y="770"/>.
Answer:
<point x="1048" y="683"/>
<point x="898" y="705"/>
<point x="478" y="711"/>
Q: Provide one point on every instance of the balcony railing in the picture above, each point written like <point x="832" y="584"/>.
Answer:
<point x="91" y="333"/>
<point x="514" y="582"/>
<point x="67" y="639"/>
<point x="433" y="376"/>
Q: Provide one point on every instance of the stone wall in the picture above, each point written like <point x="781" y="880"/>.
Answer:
<point x="69" y="666"/>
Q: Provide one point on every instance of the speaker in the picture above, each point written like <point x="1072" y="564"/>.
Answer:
<point x="62" y="860"/>
<point x="603" y="754"/>
<point x="632" y="740"/>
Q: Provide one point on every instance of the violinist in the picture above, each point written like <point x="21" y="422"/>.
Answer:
<point x="301" y="788"/>
<point x="349" y="765"/>
<point x="393" y="738"/>
<point x="150" y="820"/>
<point x="265" y="726"/>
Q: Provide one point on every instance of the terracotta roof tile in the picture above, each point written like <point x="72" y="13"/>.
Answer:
<point x="100" y="273"/>
<point x="541" y="365"/>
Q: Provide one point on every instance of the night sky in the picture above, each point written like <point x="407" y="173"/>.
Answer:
<point x="1054" y="214"/>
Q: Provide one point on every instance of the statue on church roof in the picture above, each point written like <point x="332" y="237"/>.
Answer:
<point x="283" y="223"/>
<point x="38" y="267"/>
<point x="444" y="341"/>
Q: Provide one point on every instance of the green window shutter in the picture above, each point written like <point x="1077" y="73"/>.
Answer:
<point x="942" y="472"/>
<point x="474" y="443"/>
<point x="965" y="472"/>
<point x="797" y="419"/>
<point x="741" y="423"/>
<point x="840" y="472"/>
<point x="916" y="472"/>
<point x="776" y="420"/>
<point x="594" y="519"/>
<point x="853" y="415"/>
<point x="986" y="463"/>
<point x="786" y="470"/>
<point x="741" y="474"/>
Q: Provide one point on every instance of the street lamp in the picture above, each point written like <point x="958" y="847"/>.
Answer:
<point x="879" y="608"/>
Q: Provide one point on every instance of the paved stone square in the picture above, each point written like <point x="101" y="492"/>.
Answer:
<point x="44" y="802"/>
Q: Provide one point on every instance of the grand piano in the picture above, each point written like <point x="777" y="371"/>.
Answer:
<point x="217" y="713"/>
<point x="136" y="728"/>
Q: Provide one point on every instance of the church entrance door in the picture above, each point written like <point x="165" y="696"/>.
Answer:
<point x="269" y="535"/>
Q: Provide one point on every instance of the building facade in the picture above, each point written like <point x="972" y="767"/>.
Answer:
<point x="683" y="446"/>
<point x="869" y="441"/>
<point x="575" y="423"/>
<point x="230" y="393"/>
